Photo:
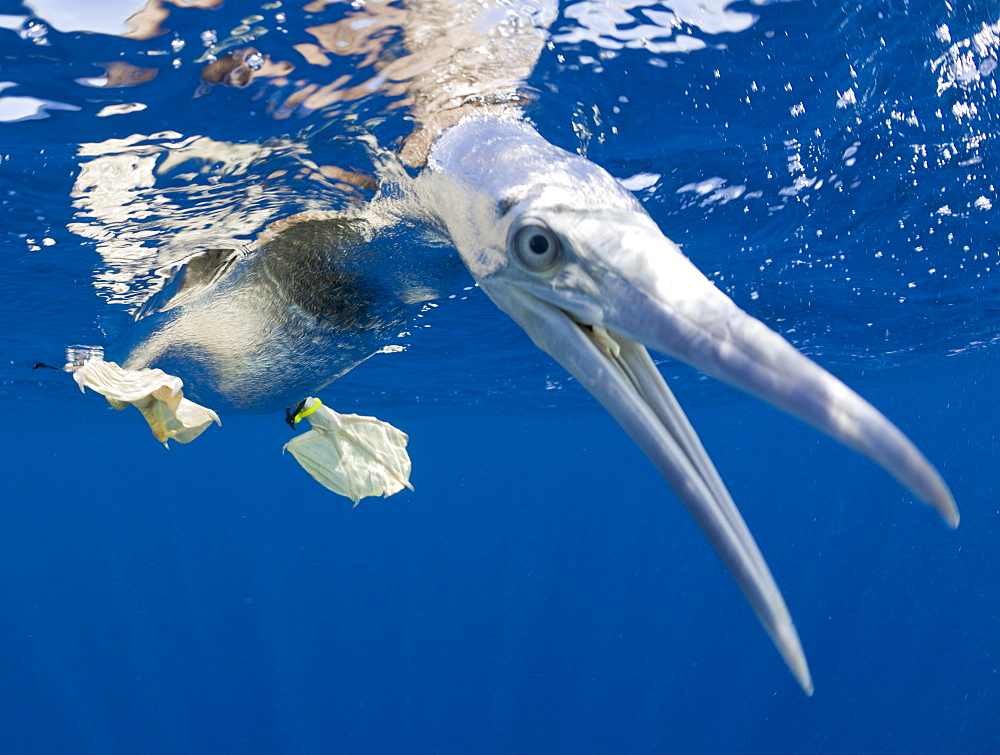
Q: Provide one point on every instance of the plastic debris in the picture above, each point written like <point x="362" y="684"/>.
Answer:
<point x="351" y="455"/>
<point x="156" y="394"/>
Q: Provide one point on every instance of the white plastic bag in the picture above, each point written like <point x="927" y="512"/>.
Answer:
<point x="351" y="455"/>
<point x="156" y="394"/>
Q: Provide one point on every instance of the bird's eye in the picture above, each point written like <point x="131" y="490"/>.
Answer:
<point x="536" y="247"/>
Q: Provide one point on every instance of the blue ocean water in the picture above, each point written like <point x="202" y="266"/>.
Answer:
<point x="830" y="167"/>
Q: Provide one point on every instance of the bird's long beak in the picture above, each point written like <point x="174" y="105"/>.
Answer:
<point x="626" y="287"/>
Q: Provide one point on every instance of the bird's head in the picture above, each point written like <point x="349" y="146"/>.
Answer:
<point x="571" y="255"/>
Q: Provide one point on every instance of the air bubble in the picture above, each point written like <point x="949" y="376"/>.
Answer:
<point x="254" y="61"/>
<point x="36" y="32"/>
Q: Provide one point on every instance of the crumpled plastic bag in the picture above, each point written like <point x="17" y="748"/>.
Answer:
<point x="351" y="455"/>
<point x="156" y="394"/>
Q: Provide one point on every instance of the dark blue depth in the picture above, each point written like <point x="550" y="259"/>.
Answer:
<point x="541" y="591"/>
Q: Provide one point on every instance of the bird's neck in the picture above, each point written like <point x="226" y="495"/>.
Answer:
<point x="474" y="57"/>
